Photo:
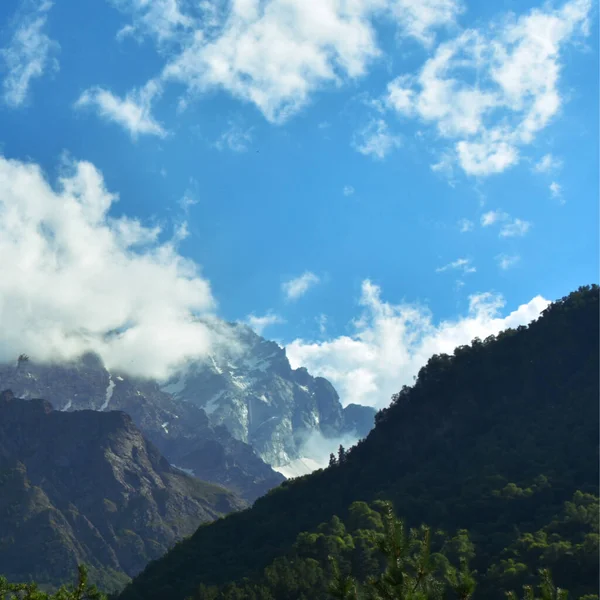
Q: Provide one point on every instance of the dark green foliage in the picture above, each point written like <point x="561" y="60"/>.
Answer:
<point x="81" y="590"/>
<point x="397" y="564"/>
<point x="493" y="439"/>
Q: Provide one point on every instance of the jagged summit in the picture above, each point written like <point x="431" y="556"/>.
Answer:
<point x="251" y="388"/>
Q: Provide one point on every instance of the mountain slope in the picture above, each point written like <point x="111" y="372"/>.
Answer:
<point x="86" y="487"/>
<point x="493" y="439"/>
<point x="180" y="430"/>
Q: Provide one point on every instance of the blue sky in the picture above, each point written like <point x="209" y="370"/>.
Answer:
<point x="339" y="173"/>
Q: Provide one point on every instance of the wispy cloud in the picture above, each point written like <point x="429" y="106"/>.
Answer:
<point x="260" y="323"/>
<point x="375" y="139"/>
<point x="548" y="164"/>
<point x="297" y="287"/>
<point x="390" y="343"/>
<point x="510" y="227"/>
<point x="161" y="19"/>
<point x="29" y="54"/>
<point x="133" y="113"/>
<point x="556" y="190"/>
<point x="462" y="264"/>
<point x="348" y="190"/>
<point x="490" y="91"/>
<point x="234" y="138"/>
<point x="465" y="225"/>
<point x="516" y="228"/>
<point x="506" y="261"/>
<point x="491" y="217"/>
<point x="322" y="323"/>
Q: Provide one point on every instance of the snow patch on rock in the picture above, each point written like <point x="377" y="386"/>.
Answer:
<point x="109" y="392"/>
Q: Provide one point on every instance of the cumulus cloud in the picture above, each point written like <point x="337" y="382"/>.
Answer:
<point x="275" y="54"/>
<point x="234" y="138"/>
<point x="296" y="288"/>
<point x="76" y="279"/>
<point x="506" y="261"/>
<point x="29" y="54"/>
<point x="260" y="323"/>
<point x="133" y="113"/>
<point x="548" y="164"/>
<point x="391" y="343"/>
<point x="462" y="264"/>
<point x="375" y="139"/>
<point x="490" y="91"/>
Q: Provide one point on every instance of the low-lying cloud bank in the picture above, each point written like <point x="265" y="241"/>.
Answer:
<point x="75" y="279"/>
<point x="392" y="342"/>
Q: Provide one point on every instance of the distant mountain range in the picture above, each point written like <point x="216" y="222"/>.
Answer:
<point x="111" y="470"/>
<point x="226" y="419"/>
<point x="86" y="487"/>
<point x="180" y="430"/>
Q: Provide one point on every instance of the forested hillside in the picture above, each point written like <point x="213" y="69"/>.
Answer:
<point x="500" y="439"/>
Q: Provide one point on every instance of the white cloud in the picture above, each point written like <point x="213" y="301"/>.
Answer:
<point x="392" y="342"/>
<point x="348" y="190"/>
<point x="260" y="323"/>
<point x="234" y="138"/>
<point x="29" y="53"/>
<point x="492" y="154"/>
<point x="161" y="19"/>
<point x="510" y="228"/>
<point x="463" y="264"/>
<point x="322" y="322"/>
<point x="517" y="228"/>
<point x="465" y="225"/>
<point x="375" y="139"/>
<point x="297" y="287"/>
<point x="72" y="273"/>
<point x="420" y="19"/>
<point x="276" y="53"/>
<point x="491" y="217"/>
<point x="506" y="261"/>
<point x="133" y="113"/>
<point x="548" y="164"/>
<point x="491" y="91"/>
<point x="555" y="189"/>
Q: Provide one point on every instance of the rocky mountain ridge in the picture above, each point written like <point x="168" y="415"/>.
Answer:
<point x="225" y="418"/>
<point x="251" y="388"/>
<point x="86" y="487"/>
<point x="180" y="430"/>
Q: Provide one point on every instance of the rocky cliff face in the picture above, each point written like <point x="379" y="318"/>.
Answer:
<point x="86" y="487"/>
<point x="180" y="430"/>
<point x="251" y="388"/>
